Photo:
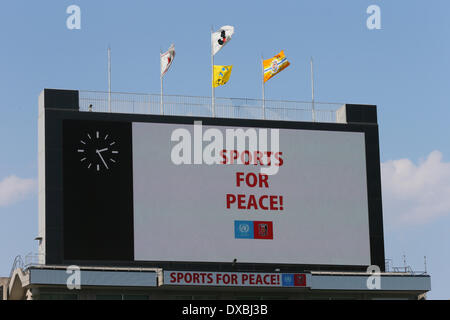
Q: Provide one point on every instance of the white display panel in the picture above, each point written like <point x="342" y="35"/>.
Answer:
<point x="181" y="214"/>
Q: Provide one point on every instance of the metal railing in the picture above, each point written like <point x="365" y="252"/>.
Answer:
<point x="31" y="259"/>
<point x="36" y="259"/>
<point x="406" y="269"/>
<point x="18" y="263"/>
<point x="119" y="102"/>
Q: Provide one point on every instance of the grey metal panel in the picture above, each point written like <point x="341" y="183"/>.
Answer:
<point x="388" y="283"/>
<point x="95" y="278"/>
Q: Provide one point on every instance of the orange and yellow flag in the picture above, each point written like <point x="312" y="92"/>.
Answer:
<point x="275" y="65"/>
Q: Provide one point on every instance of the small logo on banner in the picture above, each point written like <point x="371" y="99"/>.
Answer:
<point x="299" y="280"/>
<point x="293" y="280"/>
<point x="263" y="230"/>
<point x="253" y="230"/>
<point x="243" y="230"/>
<point x="287" y="280"/>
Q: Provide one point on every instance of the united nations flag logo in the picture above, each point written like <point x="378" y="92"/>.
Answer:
<point x="244" y="228"/>
<point x="287" y="280"/>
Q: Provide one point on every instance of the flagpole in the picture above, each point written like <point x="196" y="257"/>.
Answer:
<point x="212" y="77"/>
<point x="162" y="105"/>
<point x="109" y="78"/>
<point x="263" y="89"/>
<point x="312" y="91"/>
<point x="161" y="78"/>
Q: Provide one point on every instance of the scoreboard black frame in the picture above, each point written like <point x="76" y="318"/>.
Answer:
<point x="87" y="223"/>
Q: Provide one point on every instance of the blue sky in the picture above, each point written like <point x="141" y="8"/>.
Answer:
<point x="402" y="68"/>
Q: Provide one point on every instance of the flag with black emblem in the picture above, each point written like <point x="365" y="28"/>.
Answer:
<point x="221" y="38"/>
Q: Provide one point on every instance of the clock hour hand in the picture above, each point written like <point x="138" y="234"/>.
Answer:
<point x="99" y="152"/>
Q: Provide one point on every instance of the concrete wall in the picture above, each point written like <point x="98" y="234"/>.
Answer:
<point x="94" y="293"/>
<point x="4" y="288"/>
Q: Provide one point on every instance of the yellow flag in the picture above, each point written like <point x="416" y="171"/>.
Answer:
<point x="275" y="65"/>
<point x="221" y="75"/>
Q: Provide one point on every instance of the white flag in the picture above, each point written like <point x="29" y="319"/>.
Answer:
<point x="221" y="38"/>
<point x="167" y="59"/>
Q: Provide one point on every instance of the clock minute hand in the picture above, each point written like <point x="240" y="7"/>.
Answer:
<point x="99" y="152"/>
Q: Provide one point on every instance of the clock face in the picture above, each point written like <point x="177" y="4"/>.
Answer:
<point x="97" y="151"/>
